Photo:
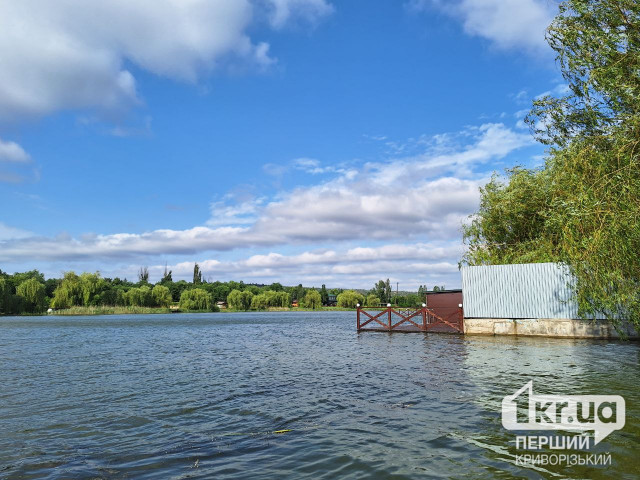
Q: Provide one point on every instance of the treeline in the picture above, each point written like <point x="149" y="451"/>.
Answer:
<point x="30" y="292"/>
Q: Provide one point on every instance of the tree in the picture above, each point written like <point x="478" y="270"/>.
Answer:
<point x="298" y="293"/>
<point x="260" y="302"/>
<point x="581" y="208"/>
<point x="597" y="43"/>
<point x="238" y="300"/>
<point x="268" y="299"/>
<point x="312" y="300"/>
<point x="139" y="297"/>
<point x="422" y="291"/>
<point x="196" y="299"/>
<point x="143" y="275"/>
<point x="380" y="291"/>
<point x="166" y="276"/>
<point x="161" y="296"/>
<point x="69" y="292"/>
<point x="33" y="295"/>
<point x="324" y="295"/>
<point x="372" y="300"/>
<point x="3" y="295"/>
<point x="349" y="299"/>
<point x="197" y="274"/>
<point x="91" y="285"/>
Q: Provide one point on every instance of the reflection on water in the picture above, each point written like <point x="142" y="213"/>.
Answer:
<point x="297" y="395"/>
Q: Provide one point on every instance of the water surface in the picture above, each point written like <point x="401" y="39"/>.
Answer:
<point x="202" y="395"/>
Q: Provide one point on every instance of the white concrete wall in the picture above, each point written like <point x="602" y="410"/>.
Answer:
<point x="547" y="327"/>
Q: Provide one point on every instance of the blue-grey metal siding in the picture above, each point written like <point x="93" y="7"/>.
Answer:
<point x="532" y="290"/>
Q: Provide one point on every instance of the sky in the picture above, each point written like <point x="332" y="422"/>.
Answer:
<point x="293" y="141"/>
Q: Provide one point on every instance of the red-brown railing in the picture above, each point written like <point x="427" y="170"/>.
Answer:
<point x="418" y="320"/>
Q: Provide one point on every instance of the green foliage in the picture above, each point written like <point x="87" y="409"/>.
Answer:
<point x="91" y="285"/>
<point x="197" y="274"/>
<point x="161" y="296"/>
<point x="298" y="293"/>
<point x="139" y="297"/>
<point x="372" y="300"/>
<point x="410" y="300"/>
<point x="270" y="298"/>
<point x="324" y="295"/>
<point x="32" y="293"/>
<point x="350" y="298"/>
<point x="312" y="300"/>
<point x="597" y="43"/>
<point x="196" y="299"/>
<point x="583" y="207"/>
<point x="143" y="275"/>
<point x="382" y="290"/>
<point x="69" y="292"/>
<point x="166" y="277"/>
<point x="238" y="300"/>
<point x="3" y="295"/>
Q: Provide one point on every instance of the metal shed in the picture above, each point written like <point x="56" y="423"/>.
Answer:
<point x="533" y="290"/>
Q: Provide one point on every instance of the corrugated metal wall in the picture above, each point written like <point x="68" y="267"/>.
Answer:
<point x="532" y="290"/>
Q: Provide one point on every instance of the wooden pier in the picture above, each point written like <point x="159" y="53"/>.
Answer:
<point x="409" y="320"/>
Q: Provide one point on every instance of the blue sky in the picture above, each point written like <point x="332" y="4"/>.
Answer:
<point x="271" y="140"/>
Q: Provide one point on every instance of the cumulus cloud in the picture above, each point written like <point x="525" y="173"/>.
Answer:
<point x="76" y="54"/>
<point x="507" y="24"/>
<point x="421" y="262"/>
<point x="414" y="198"/>
<point x="12" y="152"/>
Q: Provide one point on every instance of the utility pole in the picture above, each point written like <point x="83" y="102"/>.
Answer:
<point x="397" y="293"/>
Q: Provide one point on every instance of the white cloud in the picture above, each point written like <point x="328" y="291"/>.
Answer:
<point x="412" y="264"/>
<point x="409" y="199"/>
<point x="74" y="54"/>
<point x="507" y="24"/>
<point x="310" y="11"/>
<point x="11" y="233"/>
<point x="314" y="167"/>
<point x="12" y="152"/>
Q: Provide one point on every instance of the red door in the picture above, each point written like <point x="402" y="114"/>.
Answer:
<point x="446" y="305"/>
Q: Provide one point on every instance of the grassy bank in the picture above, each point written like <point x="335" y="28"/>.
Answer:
<point x="104" y="310"/>
<point x="109" y="310"/>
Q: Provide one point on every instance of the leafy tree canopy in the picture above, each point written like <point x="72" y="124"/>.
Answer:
<point x="583" y="207"/>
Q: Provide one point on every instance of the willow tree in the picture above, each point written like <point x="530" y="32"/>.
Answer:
<point x="32" y="293"/>
<point x="69" y="293"/>
<point x="312" y="299"/>
<point x="583" y="207"/>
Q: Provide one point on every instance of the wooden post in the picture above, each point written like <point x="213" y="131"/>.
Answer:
<point x="424" y="319"/>
<point x="389" y="310"/>
<point x="358" y="317"/>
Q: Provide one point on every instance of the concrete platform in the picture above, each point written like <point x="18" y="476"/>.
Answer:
<point x="547" y="327"/>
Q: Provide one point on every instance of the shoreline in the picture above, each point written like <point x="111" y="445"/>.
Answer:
<point x="98" y="311"/>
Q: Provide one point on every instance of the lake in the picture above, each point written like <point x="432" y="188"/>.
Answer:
<point x="202" y="395"/>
